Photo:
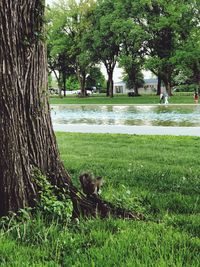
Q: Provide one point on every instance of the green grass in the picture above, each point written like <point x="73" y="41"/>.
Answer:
<point x="178" y="98"/>
<point x="156" y="175"/>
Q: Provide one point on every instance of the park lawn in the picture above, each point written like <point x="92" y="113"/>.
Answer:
<point x="178" y="98"/>
<point x="156" y="175"/>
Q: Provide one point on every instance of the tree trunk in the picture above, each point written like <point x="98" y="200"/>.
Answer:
<point x="136" y="90"/>
<point x="196" y="75"/>
<point x="27" y="138"/>
<point x="108" y="88"/>
<point x="81" y="79"/>
<point x="166" y="78"/>
<point x="60" y="84"/>
<point x="110" y="65"/>
<point x="159" y="85"/>
<point x="110" y="82"/>
<point x="64" y="83"/>
<point x="111" y="87"/>
<point x="168" y="88"/>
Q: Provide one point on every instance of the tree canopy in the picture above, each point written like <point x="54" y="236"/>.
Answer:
<point x="161" y="36"/>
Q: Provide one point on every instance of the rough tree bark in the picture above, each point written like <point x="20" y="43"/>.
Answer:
<point x="27" y="139"/>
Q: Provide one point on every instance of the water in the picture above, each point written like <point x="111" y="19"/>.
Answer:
<point x="138" y="115"/>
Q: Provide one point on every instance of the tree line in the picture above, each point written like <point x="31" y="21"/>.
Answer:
<point x="160" y="36"/>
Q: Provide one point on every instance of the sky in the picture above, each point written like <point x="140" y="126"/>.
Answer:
<point x="49" y="1"/>
<point x="117" y="76"/>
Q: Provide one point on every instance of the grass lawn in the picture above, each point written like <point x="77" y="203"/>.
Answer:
<point x="178" y="98"/>
<point x="156" y="175"/>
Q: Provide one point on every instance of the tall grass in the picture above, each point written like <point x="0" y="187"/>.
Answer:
<point x="156" y="175"/>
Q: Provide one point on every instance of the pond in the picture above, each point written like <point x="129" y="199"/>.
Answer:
<point x="140" y="115"/>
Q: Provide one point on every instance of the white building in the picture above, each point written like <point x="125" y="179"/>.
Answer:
<point x="120" y="87"/>
<point x="150" y="86"/>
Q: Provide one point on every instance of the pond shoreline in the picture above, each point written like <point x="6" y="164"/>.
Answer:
<point x="92" y="104"/>
<point x="123" y="129"/>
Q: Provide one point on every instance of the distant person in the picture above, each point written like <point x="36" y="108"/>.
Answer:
<point x="166" y="97"/>
<point x="196" y="97"/>
<point x="162" y="98"/>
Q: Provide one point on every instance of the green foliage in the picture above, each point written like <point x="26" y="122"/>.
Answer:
<point x="137" y="82"/>
<point x="72" y="83"/>
<point x="52" y="201"/>
<point x="185" y="88"/>
<point x="67" y="27"/>
<point x="161" y="36"/>
<point x="95" y="78"/>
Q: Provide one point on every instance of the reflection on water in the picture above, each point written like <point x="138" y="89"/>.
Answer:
<point x="127" y="115"/>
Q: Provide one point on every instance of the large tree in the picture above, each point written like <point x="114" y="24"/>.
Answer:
<point x="69" y="24"/>
<point x="187" y="54"/>
<point x="160" y="23"/>
<point x="160" y="20"/>
<point x="105" y="38"/>
<point x="27" y="139"/>
<point x="131" y="57"/>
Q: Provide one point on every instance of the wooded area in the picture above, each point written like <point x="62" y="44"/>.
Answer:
<point x="160" y="36"/>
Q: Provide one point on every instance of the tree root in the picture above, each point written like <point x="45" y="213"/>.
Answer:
<point x="93" y="206"/>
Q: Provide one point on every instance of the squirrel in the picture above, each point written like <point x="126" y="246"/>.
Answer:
<point x="89" y="185"/>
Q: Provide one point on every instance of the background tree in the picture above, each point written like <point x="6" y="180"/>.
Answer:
<point x="131" y="58"/>
<point x="72" y="23"/>
<point x="136" y="83"/>
<point x="160" y="20"/>
<point x="60" y="61"/>
<point x="95" y="78"/>
<point x="72" y="82"/>
<point x="104" y="38"/>
<point x="187" y="54"/>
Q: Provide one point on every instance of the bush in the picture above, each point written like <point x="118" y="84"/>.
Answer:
<point x="185" y="88"/>
<point x="52" y="202"/>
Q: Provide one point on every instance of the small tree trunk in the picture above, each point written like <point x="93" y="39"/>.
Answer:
<point x="60" y="84"/>
<point x="110" y="82"/>
<point x="111" y="87"/>
<point x="64" y="83"/>
<point x="136" y="91"/>
<point x="82" y="79"/>
<point x="168" y="88"/>
<point x="167" y="82"/>
<point x="159" y="85"/>
<point x="108" y="88"/>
